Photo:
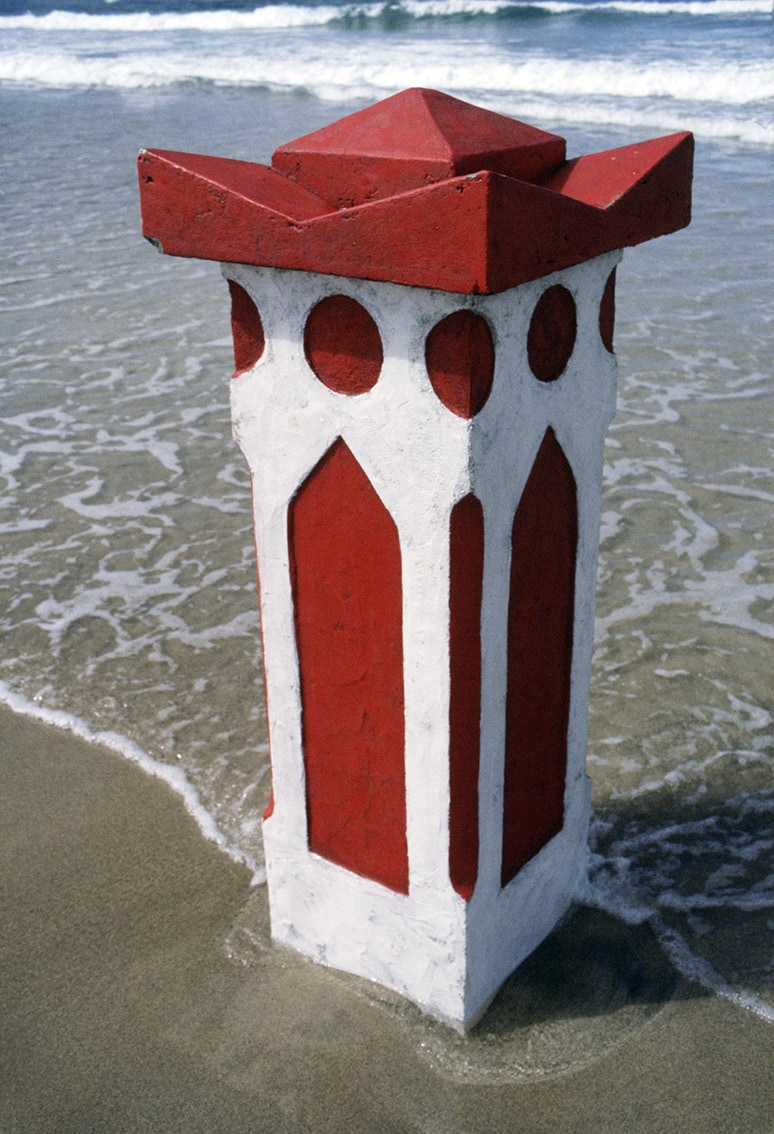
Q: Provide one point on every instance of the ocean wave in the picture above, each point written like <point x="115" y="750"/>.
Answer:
<point x="272" y="16"/>
<point x="299" y="15"/>
<point x="719" y="99"/>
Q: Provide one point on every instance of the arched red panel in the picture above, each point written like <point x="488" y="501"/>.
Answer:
<point x="466" y="574"/>
<point x="540" y="637"/>
<point x="246" y="329"/>
<point x="607" y="313"/>
<point x="343" y="345"/>
<point x="552" y="333"/>
<point x="460" y="359"/>
<point x="347" y="594"/>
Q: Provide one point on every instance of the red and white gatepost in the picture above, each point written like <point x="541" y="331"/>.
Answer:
<point x="422" y="307"/>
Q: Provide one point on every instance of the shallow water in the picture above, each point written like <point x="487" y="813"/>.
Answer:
<point x="127" y="595"/>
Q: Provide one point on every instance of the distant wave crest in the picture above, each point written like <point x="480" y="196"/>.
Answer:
<point x="277" y="48"/>
<point x="281" y="16"/>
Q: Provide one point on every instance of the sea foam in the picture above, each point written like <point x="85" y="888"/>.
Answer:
<point x="292" y="16"/>
<point x="717" y="99"/>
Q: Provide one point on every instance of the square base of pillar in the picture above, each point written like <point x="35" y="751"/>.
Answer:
<point x="448" y="956"/>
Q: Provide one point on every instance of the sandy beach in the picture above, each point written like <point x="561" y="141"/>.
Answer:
<point x="140" y="993"/>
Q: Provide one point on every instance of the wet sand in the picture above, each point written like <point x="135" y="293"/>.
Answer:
<point x="140" y="993"/>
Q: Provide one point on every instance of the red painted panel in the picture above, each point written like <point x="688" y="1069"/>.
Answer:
<point x="657" y="172"/>
<point x="343" y="345"/>
<point x="246" y="329"/>
<point x="607" y="312"/>
<point x="347" y="594"/>
<point x="466" y="572"/>
<point x="175" y="179"/>
<point x="460" y="356"/>
<point x="540" y="632"/>
<point x="552" y="332"/>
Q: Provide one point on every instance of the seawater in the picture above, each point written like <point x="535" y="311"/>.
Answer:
<point x="127" y="594"/>
<point x="651" y="64"/>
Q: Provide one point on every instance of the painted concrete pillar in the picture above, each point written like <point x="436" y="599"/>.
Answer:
<point x="422" y="307"/>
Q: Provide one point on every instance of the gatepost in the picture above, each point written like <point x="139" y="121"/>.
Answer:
<point x="422" y="310"/>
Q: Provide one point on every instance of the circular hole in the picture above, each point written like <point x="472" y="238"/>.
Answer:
<point x="459" y="354"/>
<point x="246" y="329"/>
<point x="552" y="333"/>
<point x="343" y="345"/>
<point x="607" y="312"/>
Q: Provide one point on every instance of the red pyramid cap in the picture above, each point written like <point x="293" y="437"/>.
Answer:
<point x="412" y="139"/>
<point x="420" y="189"/>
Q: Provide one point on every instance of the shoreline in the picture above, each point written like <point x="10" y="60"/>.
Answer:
<point x="122" y="746"/>
<point x="140" y="992"/>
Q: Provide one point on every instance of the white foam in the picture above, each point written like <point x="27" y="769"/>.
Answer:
<point x="722" y="596"/>
<point x="115" y="509"/>
<point x="702" y="8"/>
<point x="710" y="93"/>
<point x="279" y="16"/>
<point x="270" y="16"/>
<point x="722" y="83"/>
<point x="635" y="894"/>
<point x="713" y="97"/>
<point x="744" y="491"/>
<point x="123" y="746"/>
<point x="702" y="972"/>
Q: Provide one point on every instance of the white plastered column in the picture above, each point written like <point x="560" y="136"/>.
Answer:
<point x="447" y="955"/>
